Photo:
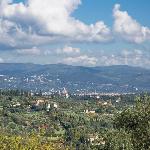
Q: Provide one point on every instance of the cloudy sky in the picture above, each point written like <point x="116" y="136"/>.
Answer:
<point x="75" y="32"/>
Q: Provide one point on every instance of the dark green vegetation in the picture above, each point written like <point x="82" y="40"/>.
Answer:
<point x="104" y="79"/>
<point x="108" y="123"/>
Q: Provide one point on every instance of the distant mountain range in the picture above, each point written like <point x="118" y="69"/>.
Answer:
<point x="74" y="78"/>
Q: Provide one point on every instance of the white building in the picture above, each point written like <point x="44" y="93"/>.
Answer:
<point x="65" y="93"/>
<point x="55" y="105"/>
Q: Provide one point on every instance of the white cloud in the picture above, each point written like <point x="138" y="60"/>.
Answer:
<point x="68" y="50"/>
<point x="39" y="22"/>
<point x="81" y="60"/>
<point x="6" y="26"/>
<point x="32" y="51"/>
<point x="109" y="60"/>
<point x="128" y="28"/>
<point x="1" y="60"/>
<point x="133" y="57"/>
<point x="50" y="20"/>
<point x="14" y="36"/>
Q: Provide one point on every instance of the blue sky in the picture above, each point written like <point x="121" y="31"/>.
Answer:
<point x="92" y="10"/>
<point x="75" y="32"/>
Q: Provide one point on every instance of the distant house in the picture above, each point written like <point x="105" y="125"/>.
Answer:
<point x="95" y="140"/>
<point x="51" y="105"/>
<point x="105" y="103"/>
<point x="65" y="93"/>
<point x="32" y="94"/>
<point x="55" y="105"/>
<point x="1" y="108"/>
<point x="41" y="101"/>
<point x="118" y="100"/>
<point x="98" y="97"/>
<point x="108" y="103"/>
<point x="44" y="104"/>
<point x="39" y="104"/>
<point x="48" y="107"/>
<point x="17" y="104"/>
<point x="89" y="112"/>
<point x="92" y="137"/>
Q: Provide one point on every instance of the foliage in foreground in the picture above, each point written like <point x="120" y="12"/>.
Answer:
<point x="131" y="128"/>
<point x="32" y="142"/>
<point x="69" y="127"/>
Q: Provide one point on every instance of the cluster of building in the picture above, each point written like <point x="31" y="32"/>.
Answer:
<point x="45" y="104"/>
<point x="63" y="93"/>
<point x="96" y="140"/>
